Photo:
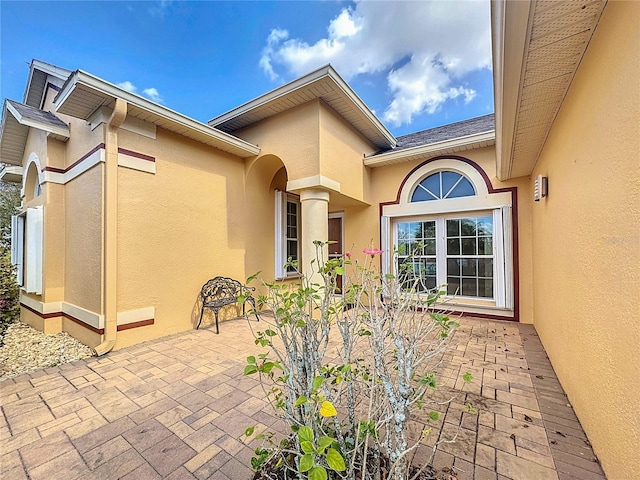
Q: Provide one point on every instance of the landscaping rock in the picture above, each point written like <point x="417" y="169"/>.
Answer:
<point x="26" y="349"/>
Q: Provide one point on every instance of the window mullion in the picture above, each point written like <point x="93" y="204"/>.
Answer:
<point x="441" y="251"/>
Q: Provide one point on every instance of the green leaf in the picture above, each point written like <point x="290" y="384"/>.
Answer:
<point x="300" y="401"/>
<point x="305" y="434"/>
<point x="335" y="460"/>
<point x="249" y="369"/>
<point x="318" y="473"/>
<point x="467" y="377"/>
<point x="317" y="382"/>
<point x="323" y="443"/>
<point x="339" y="270"/>
<point x="249" y="431"/>
<point x="267" y="367"/>
<point x="251" y="360"/>
<point x="307" y="447"/>
<point x="433" y="415"/>
<point x="306" y="462"/>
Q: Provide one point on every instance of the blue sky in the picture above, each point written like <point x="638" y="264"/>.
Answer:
<point x="417" y="64"/>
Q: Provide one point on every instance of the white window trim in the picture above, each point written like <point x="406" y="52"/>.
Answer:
<point x="280" y="216"/>
<point x="441" y="252"/>
<point x="498" y="203"/>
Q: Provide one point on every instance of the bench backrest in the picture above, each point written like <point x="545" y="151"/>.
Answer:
<point x="221" y="289"/>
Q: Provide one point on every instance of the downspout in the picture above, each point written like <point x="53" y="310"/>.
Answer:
<point x="110" y="228"/>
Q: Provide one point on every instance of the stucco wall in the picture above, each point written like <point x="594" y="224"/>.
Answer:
<point x="362" y="225"/>
<point x="83" y="240"/>
<point x="342" y="152"/>
<point x="293" y="136"/>
<point x="586" y="242"/>
<point x="176" y="229"/>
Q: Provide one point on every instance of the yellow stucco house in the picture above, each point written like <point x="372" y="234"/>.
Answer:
<point x="531" y="215"/>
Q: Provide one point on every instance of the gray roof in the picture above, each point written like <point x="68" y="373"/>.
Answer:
<point x="37" y="115"/>
<point x="464" y="128"/>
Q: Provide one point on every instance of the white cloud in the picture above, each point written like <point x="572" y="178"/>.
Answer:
<point x="159" y="9"/>
<point x="128" y="86"/>
<point x="153" y="94"/>
<point x="424" y="48"/>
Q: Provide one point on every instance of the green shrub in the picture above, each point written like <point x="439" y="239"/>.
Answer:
<point x="9" y="292"/>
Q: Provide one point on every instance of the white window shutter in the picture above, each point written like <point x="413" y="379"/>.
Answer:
<point x="34" y="250"/>
<point x="280" y="225"/>
<point x="17" y="246"/>
<point x="507" y="242"/>
<point x="499" y="290"/>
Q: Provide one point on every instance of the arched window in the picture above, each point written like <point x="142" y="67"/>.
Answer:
<point x="450" y="227"/>
<point x="442" y="185"/>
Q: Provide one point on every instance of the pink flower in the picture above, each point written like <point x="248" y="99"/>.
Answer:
<point x="348" y="254"/>
<point x="372" y="251"/>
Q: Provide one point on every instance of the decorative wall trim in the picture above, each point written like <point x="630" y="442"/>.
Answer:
<point x="136" y="161"/>
<point x="129" y="326"/>
<point x="82" y="317"/>
<point x="93" y="321"/>
<point x="136" y="316"/>
<point x="64" y="175"/>
<point x="126" y="158"/>
<point x="55" y="87"/>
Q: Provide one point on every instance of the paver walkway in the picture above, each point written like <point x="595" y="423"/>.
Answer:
<point x="176" y="408"/>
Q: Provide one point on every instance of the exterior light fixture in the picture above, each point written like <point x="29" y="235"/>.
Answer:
<point x="540" y="188"/>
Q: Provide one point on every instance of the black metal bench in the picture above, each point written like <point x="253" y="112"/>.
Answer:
<point x="222" y="291"/>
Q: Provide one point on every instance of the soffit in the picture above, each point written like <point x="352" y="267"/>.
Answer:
<point x="38" y="81"/>
<point x="17" y="118"/>
<point x="83" y="94"/>
<point x="558" y="34"/>
<point x="324" y="84"/>
<point x="11" y="174"/>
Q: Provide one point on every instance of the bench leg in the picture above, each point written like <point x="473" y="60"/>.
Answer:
<point x="200" y="321"/>
<point x="217" y="329"/>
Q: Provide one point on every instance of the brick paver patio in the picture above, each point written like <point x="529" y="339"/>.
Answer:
<point x="176" y="408"/>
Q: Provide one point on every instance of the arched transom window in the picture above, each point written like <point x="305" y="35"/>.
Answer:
<point x="442" y="185"/>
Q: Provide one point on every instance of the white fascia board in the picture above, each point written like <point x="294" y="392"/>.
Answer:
<point x="59" y="72"/>
<point x="271" y="96"/>
<point x="362" y="106"/>
<point x="431" y="149"/>
<point x="326" y="71"/>
<point x="81" y="77"/>
<point x="62" y="131"/>
<point x="511" y="31"/>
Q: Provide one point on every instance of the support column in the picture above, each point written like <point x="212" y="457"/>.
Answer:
<point x="315" y="226"/>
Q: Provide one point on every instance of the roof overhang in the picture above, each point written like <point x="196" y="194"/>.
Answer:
<point x="83" y="94"/>
<point x="424" y="152"/>
<point x="38" y="73"/>
<point x="11" y="173"/>
<point x="15" y="129"/>
<point x="325" y="84"/>
<point x="537" y="48"/>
